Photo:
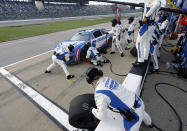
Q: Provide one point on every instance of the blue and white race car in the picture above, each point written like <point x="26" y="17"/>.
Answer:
<point x="101" y="36"/>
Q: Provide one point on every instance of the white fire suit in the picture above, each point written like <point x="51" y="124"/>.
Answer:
<point x="146" y="31"/>
<point x="154" y="46"/>
<point x="163" y="29"/>
<point x="60" y="57"/>
<point x="130" y="33"/>
<point x="117" y="31"/>
<point x="110" y="93"/>
<point x="94" y="55"/>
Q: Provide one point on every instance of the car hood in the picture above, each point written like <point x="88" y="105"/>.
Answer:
<point x="72" y="42"/>
<point x="67" y="43"/>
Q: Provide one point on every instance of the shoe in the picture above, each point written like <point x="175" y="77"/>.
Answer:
<point x="47" y="71"/>
<point x="99" y="64"/>
<point x="70" y="76"/>
<point x="138" y="63"/>
<point x="127" y="48"/>
<point x="150" y="126"/>
<point x="112" y="52"/>
<point x="154" y="70"/>
<point x="122" y="54"/>
<point x="106" y="61"/>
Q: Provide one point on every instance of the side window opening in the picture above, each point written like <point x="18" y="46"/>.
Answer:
<point x="97" y="34"/>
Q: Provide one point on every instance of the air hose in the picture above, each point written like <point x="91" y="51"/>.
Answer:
<point x="112" y="69"/>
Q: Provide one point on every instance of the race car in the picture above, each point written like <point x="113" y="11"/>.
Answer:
<point x="79" y="40"/>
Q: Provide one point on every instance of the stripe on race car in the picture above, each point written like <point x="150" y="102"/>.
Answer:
<point x="77" y="55"/>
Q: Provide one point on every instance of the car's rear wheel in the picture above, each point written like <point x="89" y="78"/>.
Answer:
<point x="110" y="42"/>
<point x="79" y="112"/>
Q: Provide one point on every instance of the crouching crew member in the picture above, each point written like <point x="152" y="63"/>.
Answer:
<point x="109" y="93"/>
<point x="94" y="56"/>
<point x="60" y="57"/>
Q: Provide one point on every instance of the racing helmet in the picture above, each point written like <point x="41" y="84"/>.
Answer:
<point x="93" y="43"/>
<point x="71" y="47"/>
<point x="130" y="19"/>
<point x="114" y="22"/>
<point x="119" y="22"/>
<point x="93" y="74"/>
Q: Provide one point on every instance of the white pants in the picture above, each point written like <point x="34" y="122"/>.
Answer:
<point x="158" y="50"/>
<point x="153" y="51"/>
<point x="129" y="38"/>
<point x="143" y="116"/>
<point x="143" y="44"/>
<point x="60" y="62"/>
<point x="116" y="42"/>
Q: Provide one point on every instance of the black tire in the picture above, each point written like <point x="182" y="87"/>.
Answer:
<point x="110" y="42"/>
<point x="134" y="52"/>
<point x="79" y="112"/>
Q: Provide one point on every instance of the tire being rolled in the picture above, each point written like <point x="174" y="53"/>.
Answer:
<point x="79" y="112"/>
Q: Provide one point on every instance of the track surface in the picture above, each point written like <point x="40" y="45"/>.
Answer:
<point x="17" y="113"/>
<point x="13" y="51"/>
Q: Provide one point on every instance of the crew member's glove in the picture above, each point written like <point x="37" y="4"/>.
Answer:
<point x="154" y="42"/>
<point x="141" y="23"/>
<point x="94" y="112"/>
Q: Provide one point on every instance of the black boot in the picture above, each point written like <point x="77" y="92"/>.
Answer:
<point x="154" y="70"/>
<point x="70" y="77"/>
<point x="138" y="63"/>
<point x="127" y="48"/>
<point x="112" y="52"/>
<point x="99" y="64"/>
<point x="47" y="71"/>
<point x="106" y="61"/>
<point x="122" y="54"/>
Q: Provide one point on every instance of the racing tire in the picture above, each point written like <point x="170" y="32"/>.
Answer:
<point x="133" y="52"/>
<point x="110" y="42"/>
<point x="80" y="115"/>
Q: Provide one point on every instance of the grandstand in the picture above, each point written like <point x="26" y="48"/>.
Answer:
<point x="13" y="10"/>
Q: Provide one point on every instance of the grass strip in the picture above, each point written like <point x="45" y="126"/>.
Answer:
<point x="19" y="32"/>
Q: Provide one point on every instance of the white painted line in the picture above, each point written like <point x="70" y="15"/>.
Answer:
<point x="55" y="112"/>
<point x="27" y="59"/>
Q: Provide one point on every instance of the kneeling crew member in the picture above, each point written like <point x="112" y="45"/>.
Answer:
<point x="109" y="93"/>
<point x="61" y="57"/>
<point x="94" y="55"/>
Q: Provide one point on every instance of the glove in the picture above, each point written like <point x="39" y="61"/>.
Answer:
<point x="94" y="111"/>
<point x="154" y="42"/>
<point x="141" y="23"/>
